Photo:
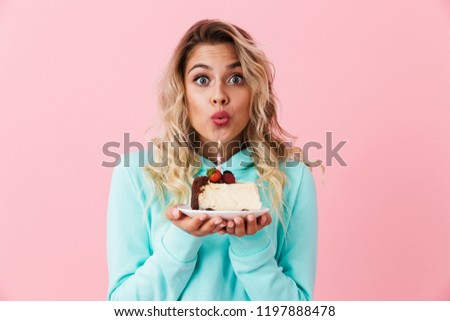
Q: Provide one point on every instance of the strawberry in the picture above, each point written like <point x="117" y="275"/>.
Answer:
<point x="228" y="177"/>
<point x="211" y="171"/>
<point x="215" y="178"/>
<point x="214" y="175"/>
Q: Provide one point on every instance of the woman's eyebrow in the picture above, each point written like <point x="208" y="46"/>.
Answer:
<point x="230" y="66"/>
<point x="234" y="65"/>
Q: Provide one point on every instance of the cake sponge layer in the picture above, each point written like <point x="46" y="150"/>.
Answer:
<point x="230" y="197"/>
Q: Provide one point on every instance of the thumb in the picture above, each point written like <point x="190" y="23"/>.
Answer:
<point x="175" y="213"/>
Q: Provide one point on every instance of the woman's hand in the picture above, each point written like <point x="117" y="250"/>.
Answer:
<point x="248" y="225"/>
<point x="199" y="225"/>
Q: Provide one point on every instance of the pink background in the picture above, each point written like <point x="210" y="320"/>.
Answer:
<point x="77" y="74"/>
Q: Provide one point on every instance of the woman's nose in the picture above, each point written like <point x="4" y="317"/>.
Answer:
<point x="219" y="97"/>
<point x="219" y="101"/>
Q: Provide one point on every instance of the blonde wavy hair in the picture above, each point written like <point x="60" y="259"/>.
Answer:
<point x="266" y="140"/>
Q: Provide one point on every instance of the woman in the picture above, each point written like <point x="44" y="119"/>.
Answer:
<point x="218" y="87"/>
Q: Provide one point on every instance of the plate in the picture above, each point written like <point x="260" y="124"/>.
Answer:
<point x="186" y="209"/>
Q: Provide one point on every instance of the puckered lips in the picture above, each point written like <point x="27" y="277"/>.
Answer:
<point x="221" y="118"/>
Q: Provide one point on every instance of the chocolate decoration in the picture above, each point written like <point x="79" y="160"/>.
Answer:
<point x="197" y="188"/>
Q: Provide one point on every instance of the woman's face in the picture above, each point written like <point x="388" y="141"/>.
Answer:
<point x="218" y="98"/>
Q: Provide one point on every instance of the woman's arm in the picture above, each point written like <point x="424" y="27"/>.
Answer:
<point x="293" y="276"/>
<point x="138" y="268"/>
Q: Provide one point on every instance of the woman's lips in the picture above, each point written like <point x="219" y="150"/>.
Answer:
<point x="221" y="118"/>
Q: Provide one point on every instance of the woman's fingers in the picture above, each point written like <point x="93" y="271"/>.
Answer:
<point x="195" y="222"/>
<point x="264" y="220"/>
<point x="220" y="227"/>
<point x="202" y="224"/>
<point x="211" y="226"/>
<point x="230" y="227"/>
<point x="269" y="219"/>
<point x="252" y="228"/>
<point x="198" y="225"/>
<point x="248" y="226"/>
<point x="239" y="229"/>
<point x="173" y="213"/>
<point x="176" y="214"/>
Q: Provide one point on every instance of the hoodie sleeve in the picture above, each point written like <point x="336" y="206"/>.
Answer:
<point x="139" y="268"/>
<point x="292" y="276"/>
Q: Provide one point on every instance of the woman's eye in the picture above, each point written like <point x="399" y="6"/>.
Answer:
<point x="236" y="79"/>
<point x="202" y="80"/>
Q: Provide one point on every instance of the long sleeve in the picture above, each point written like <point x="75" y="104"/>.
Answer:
<point x="142" y="267"/>
<point x="292" y="275"/>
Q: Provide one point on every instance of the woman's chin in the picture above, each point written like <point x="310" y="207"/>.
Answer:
<point x="221" y="134"/>
<point x="225" y="135"/>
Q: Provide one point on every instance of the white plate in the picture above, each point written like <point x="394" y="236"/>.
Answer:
<point x="186" y="209"/>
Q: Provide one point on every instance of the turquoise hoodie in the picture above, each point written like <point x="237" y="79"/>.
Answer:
<point x="149" y="258"/>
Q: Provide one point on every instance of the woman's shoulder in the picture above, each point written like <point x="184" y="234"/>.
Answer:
<point x="297" y="173"/>
<point x="292" y="161"/>
<point x="132" y="166"/>
<point x="134" y="160"/>
<point x="294" y="168"/>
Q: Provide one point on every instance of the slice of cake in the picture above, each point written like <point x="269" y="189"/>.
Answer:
<point x="221" y="192"/>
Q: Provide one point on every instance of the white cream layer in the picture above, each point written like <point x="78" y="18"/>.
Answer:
<point x="230" y="197"/>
